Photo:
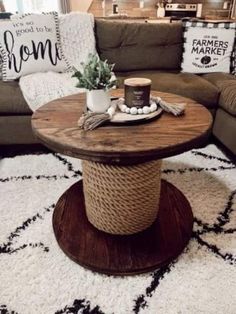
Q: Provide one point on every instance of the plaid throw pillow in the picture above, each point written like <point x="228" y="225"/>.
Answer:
<point x="209" y="47"/>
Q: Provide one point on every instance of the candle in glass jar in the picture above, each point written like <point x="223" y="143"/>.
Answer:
<point x="137" y="92"/>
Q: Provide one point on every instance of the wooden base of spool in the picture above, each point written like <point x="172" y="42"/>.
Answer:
<point x="123" y="255"/>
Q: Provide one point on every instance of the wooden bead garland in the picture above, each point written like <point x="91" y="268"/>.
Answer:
<point x="134" y="110"/>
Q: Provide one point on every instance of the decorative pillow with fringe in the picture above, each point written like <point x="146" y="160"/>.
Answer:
<point x="31" y="43"/>
<point x="209" y="47"/>
<point x="0" y="67"/>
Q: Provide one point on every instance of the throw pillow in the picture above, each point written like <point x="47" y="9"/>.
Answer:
<point x="0" y="61"/>
<point x="208" y="47"/>
<point x="0" y="67"/>
<point x="31" y="43"/>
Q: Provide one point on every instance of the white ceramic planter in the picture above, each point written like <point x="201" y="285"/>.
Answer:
<point x="98" y="100"/>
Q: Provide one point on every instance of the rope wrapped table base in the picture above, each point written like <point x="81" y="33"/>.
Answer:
<point x="121" y="199"/>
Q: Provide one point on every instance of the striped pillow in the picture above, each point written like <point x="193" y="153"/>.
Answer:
<point x="209" y="47"/>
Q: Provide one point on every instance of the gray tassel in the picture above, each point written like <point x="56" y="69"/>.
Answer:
<point x="91" y="120"/>
<point x="175" y="109"/>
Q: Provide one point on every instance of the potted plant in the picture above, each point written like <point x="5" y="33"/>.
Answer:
<point x="97" y="78"/>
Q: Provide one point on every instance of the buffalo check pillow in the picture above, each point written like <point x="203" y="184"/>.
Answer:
<point x="209" y="47"/>
<point x="30" y="43"/>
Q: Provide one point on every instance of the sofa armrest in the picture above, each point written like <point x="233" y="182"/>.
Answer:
<point x="226" y="83"/>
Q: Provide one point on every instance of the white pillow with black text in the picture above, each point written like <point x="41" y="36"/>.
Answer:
<point x="30" y="43"/>
<point x="208" y="47"/>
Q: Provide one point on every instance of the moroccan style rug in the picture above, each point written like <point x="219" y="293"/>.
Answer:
<point x="37" y="278"/>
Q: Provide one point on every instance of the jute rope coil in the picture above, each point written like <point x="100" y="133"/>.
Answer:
<point x="122" y="199"/>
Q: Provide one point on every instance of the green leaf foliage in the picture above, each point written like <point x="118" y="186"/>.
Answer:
<point x="96" y="74"/>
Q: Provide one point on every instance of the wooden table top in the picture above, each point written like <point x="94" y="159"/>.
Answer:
<point x="55" y="125"/>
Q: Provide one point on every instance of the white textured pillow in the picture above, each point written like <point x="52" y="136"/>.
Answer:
<point x="31" y="43"/>
<point x="0" y="67"/>
<point x="1" y="63"/>
<point x="208" y="47"/>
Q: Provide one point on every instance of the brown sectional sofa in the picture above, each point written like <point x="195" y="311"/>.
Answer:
<point x="138" y="50"/>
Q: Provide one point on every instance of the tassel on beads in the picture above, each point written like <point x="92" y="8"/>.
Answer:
<point x="175" y="109"/>
<point x="91" y="120"/>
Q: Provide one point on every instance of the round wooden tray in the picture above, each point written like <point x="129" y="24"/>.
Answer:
<point x="123" y="255"/>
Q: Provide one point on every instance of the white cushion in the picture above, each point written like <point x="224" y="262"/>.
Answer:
<point x="31" y="43"/>
<point x="208" y="47"/>
<point x="0" y="67"/>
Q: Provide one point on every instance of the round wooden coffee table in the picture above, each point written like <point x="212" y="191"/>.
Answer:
<point x="122" y="219"/>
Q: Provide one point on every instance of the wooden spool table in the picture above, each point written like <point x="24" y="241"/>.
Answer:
<point x="144" y="228"/>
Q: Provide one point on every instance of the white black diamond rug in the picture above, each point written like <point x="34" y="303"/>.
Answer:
<point x="37" y="278"/>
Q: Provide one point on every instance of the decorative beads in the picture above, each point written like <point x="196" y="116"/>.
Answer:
<point x="123" y="108"/>
<point x="153" y="107"/>
<point x="135" y="110"/>
<point x="111" y="111"/>
<point x="146" y="110"/>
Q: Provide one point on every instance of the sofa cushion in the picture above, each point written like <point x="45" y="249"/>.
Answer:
<point x="16" y="130"/>
<point x="11" y="99"/>
<point x="226" y="84"/>
<point x="139" y="46"/>
<point x="214" y="78"/>
<point x="184" y="84"/>
<point x="224" y="129"/>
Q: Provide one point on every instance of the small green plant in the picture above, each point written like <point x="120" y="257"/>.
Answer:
<point x="96" y="74"/>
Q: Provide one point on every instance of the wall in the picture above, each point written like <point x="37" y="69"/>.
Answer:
<point x="131" y="7"/>
<point x="80" y="5"/>
<point x="125" y="6"/>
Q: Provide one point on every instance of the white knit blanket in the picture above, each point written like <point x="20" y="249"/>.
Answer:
<point x="78" y="40"/>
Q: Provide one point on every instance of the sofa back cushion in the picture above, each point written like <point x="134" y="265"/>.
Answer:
<point x="140" y="46"/>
